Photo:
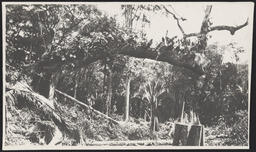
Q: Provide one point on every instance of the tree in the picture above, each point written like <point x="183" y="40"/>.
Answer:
<point x="128" y="10"/>
<point x="152" y="92"/>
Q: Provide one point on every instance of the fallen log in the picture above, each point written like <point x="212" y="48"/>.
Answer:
<point x="87" y="106"/>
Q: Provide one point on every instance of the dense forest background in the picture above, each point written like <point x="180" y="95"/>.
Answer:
<point x="114" y="68"/>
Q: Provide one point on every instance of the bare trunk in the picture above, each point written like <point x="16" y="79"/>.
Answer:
<point x="75" y="88"/>
<point x="53" y="82"/>
<point x="85" y="85"/>
<point x="155" y="124"/>
<point x="51" y="88"/>
<point x="182" y="112"/>
<point x="109" y="94"/>
<point x="154" y="118"/>
<point x="104" y="79"/>
<point x="51" y="91"/>
<point x="127" y="101"/>
<point x="151" y="113"/>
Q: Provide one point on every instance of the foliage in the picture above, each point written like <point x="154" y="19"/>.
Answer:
<point x="223" y="134"/>
<point x="225" y="89"/>
<point x="152" y="91"/>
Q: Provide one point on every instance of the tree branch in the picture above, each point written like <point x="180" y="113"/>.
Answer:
<point x="206" y="26"/>
<point x="134" y="14"/>
<point x="192" y="34"/>
<point x="231" y="29"/>
<point x="176" y="18"/>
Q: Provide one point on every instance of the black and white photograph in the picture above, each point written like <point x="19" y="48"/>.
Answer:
<point x="126" y="75"/>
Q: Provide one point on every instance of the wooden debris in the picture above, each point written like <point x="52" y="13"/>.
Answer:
<point x="87" y="106"/>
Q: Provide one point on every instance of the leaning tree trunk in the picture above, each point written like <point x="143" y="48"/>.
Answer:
<point x="127" y="100"/>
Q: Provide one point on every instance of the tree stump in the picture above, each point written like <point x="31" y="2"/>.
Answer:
<point x="195" y="137"/>
<point x="180" y="134"/>
<point x="184" y="135"/>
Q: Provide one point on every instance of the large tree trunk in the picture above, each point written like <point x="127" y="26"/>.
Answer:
<point x="109" y="94"/>
<point x="127" y="100"/>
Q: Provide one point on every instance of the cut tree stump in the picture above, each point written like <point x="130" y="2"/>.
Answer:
<point x="195" y="137"/>
<point x="186" y="135"/>
<point x="180" y="134"/>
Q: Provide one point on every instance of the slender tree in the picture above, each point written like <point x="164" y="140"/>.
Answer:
<point x="152" y="92"/>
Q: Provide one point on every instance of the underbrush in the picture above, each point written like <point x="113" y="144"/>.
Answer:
<point x="25" y="127"/>
<point x="229" y="135"/>
<point x="93" y="127"/>
<point x="239" y="131"/>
